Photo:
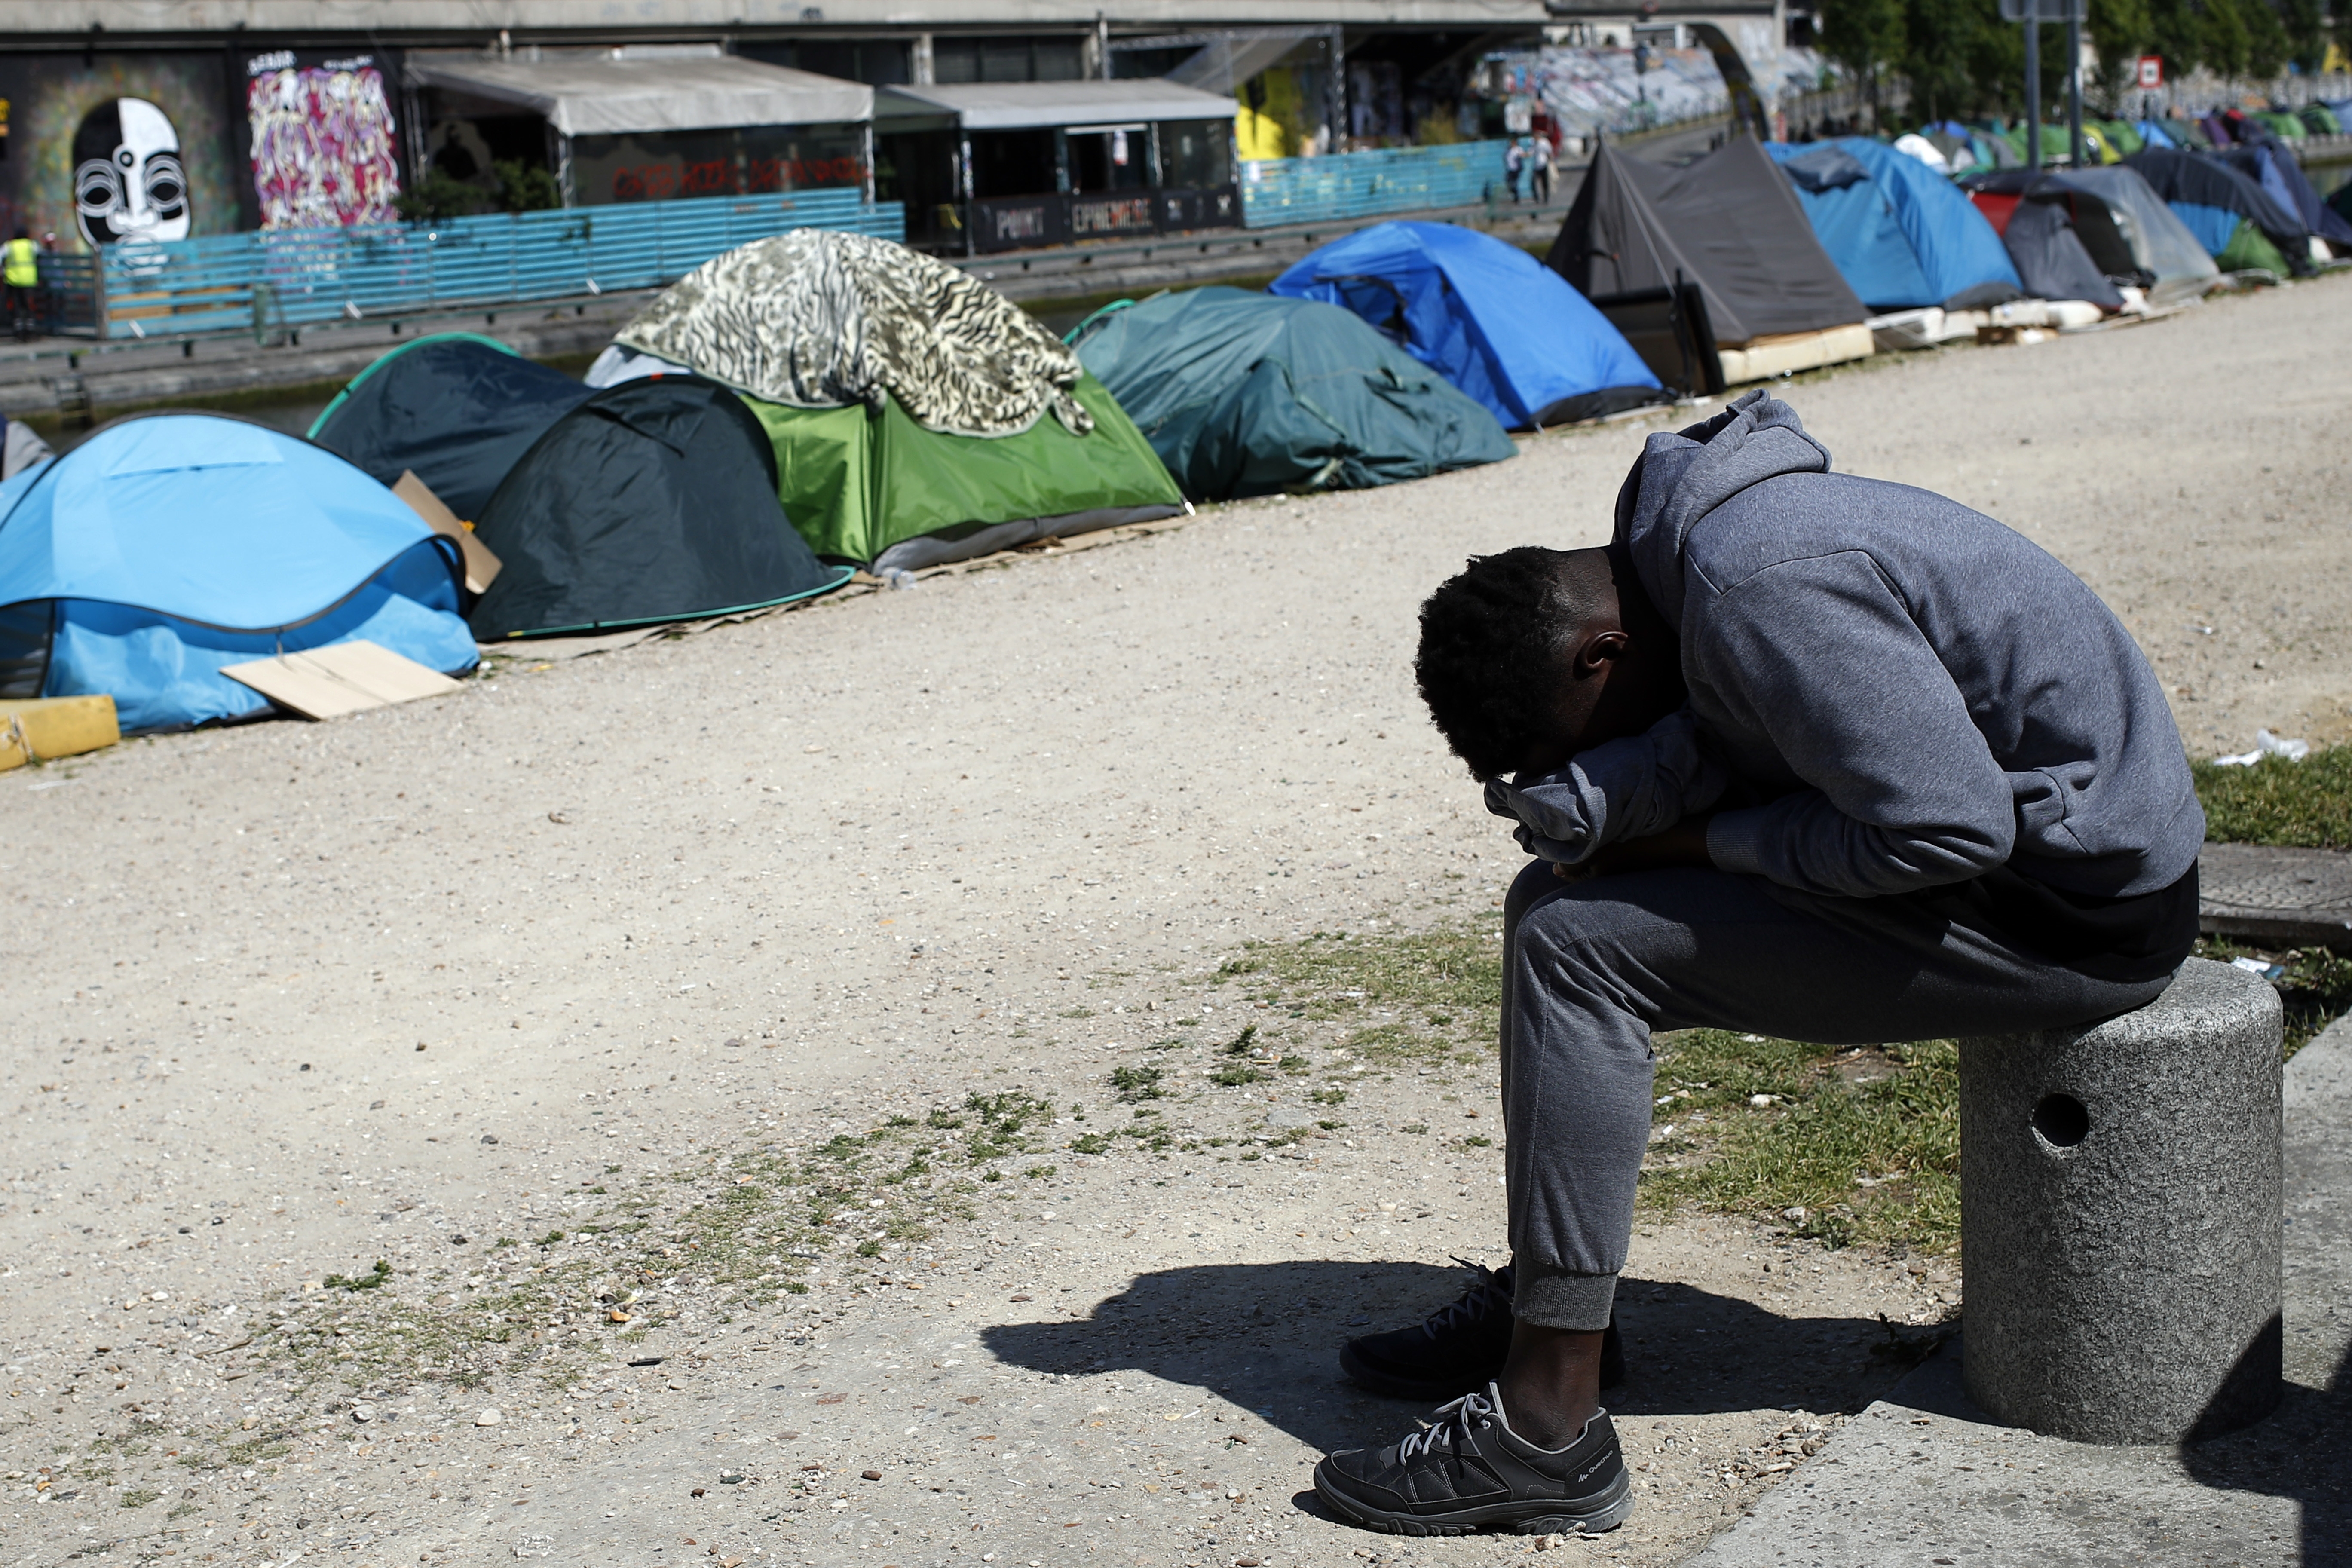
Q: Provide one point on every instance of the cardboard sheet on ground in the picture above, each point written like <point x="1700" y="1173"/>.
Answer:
<point x="482" y="563"/>
<point x="344" y="678"/>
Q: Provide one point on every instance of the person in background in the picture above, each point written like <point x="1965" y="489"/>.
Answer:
<point x="1539" y="169"/>
<point x="20" y="283"/>
<point x="1514" y="160"/>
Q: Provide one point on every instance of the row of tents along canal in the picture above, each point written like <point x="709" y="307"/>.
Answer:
<point x="820" y="403"/>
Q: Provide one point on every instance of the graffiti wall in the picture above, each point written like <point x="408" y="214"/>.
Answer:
<point x="324" y="145"/>
<point x="112" y="148"/>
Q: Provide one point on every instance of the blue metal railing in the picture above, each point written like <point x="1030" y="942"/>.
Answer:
<point x="1278" y="191"/>
<point x="235" y="282"/>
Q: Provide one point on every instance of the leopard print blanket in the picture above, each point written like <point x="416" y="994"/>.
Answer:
<point x="819" y="319"/>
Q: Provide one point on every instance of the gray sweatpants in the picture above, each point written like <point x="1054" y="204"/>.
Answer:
<point x="1590" y="968"/>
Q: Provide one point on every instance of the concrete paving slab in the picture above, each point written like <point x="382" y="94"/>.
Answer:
<point x="1925" y="1477"/>
<point x="2259" y="893"/>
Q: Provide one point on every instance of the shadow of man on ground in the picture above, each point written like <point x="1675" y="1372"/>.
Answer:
<point x="2302" y="1451"/>
<point x="1266" y="1337"/>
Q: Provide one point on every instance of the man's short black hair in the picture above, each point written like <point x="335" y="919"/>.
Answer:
<point x="1489" y="639"/>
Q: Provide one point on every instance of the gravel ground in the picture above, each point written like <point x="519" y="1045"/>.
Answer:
<point x="735" y="1047"/>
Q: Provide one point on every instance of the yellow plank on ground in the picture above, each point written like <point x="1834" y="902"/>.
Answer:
<point x="46" y="727"/>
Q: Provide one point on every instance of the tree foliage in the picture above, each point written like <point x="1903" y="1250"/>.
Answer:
<point x="1959" y="59"/>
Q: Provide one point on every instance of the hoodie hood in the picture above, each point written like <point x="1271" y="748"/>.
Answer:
<point x="1679" y="478"/>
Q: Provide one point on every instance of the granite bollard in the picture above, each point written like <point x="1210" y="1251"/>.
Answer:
<point x="2120" y="1217"/>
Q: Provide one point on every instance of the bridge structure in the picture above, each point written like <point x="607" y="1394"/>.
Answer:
<point x="915" y="41"/>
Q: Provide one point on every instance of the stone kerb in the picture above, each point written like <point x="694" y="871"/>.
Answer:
<point x="2121" y="1222"/>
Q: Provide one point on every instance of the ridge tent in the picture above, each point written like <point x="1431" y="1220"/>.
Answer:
<point x="2273" y="166"/>
<point x="2125" y="227"/>
<point x="168" y="545"/>
<point x="1249" y="395"/>
<point x="1485" y="315"/>
<point x="1712" y="257"/>
<point x="455" y="408"/>
<point x="2237" y="222"/>
<point x="653" y="501"/>
<point x="906" y="404"/>
<point x="1901" y="233"/>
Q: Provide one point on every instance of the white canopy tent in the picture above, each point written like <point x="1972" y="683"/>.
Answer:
<point x="641" y="109"/>
<point x="604" y="96"/>
<point x="1040" y="105"/>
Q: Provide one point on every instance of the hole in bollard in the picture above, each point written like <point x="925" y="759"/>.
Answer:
<point x="2061" y="1120"/>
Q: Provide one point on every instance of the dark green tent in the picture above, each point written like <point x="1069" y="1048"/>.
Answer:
<point x="456" y="409"/>
<point x="1248" y="395"/>
<point x="653" y="501"/>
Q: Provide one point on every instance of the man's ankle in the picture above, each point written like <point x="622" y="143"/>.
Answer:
<point x="1544" y="1424"/>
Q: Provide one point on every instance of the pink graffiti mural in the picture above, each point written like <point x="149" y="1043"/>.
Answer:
<point x="322" y="144"/>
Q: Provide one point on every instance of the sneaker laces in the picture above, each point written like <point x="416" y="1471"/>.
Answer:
<point x="1487" y="1293"/>
<point x="1465" y="1414"/>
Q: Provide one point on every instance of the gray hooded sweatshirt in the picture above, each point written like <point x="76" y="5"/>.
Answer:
<point x="1889" y="693"/>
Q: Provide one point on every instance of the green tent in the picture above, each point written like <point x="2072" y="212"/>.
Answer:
<point x="870" y="485"/>
<point x="918" y="415"/>
<point x="1247" y="395"/>
<point x="2250" y="248"/>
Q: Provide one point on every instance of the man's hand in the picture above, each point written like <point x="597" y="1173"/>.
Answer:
<point x="1683" y="844"/>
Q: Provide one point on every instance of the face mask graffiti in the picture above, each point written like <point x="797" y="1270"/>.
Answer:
<point x="128" y="181"/>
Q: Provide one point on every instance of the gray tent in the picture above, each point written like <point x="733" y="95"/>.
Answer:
<point x="1727" y="224"/>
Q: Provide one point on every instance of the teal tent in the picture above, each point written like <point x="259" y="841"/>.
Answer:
<point x="1248" y="395"/>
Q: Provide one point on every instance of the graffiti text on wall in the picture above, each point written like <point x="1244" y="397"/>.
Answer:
<point x="323" y="142"/>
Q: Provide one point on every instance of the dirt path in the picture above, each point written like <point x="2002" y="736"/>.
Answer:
<point x="688" y="923"/>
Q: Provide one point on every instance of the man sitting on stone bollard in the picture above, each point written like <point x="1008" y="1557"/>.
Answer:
<point x="1797" y="753"/>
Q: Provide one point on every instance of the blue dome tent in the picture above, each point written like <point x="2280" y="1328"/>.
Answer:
<point x="1487" y="316"/>
<point x="1902" y="235"/>
<point x="168" y="545"/>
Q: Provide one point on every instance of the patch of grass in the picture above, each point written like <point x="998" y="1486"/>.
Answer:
<point x="1236" y="1075"/>
<point x="1451" y="977"/>
<point x="2315" y="989"/>
<point x="1091" y="1144"/>
<point x="1138" y="1083"/>
<point x="1240" y="1044"/>
<point x="368" y="1281"/>
<point x="1870" y="1156"/>
<point x="1330" y="1097"/>
<point x="2305" y="805"/>
<point x="139" y="1499"/>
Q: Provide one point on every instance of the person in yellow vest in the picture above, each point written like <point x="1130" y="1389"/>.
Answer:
<point x="20" y="283"/>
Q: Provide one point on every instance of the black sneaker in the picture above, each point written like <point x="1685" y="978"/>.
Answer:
<point x="1459" y="1349"/>
<point x="1471" y="1472"/>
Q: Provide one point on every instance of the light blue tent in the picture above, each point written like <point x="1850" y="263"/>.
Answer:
<point x="1487" y="316"/>
<point x="171" y="545"/>
<point x="1902" y="235"/>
